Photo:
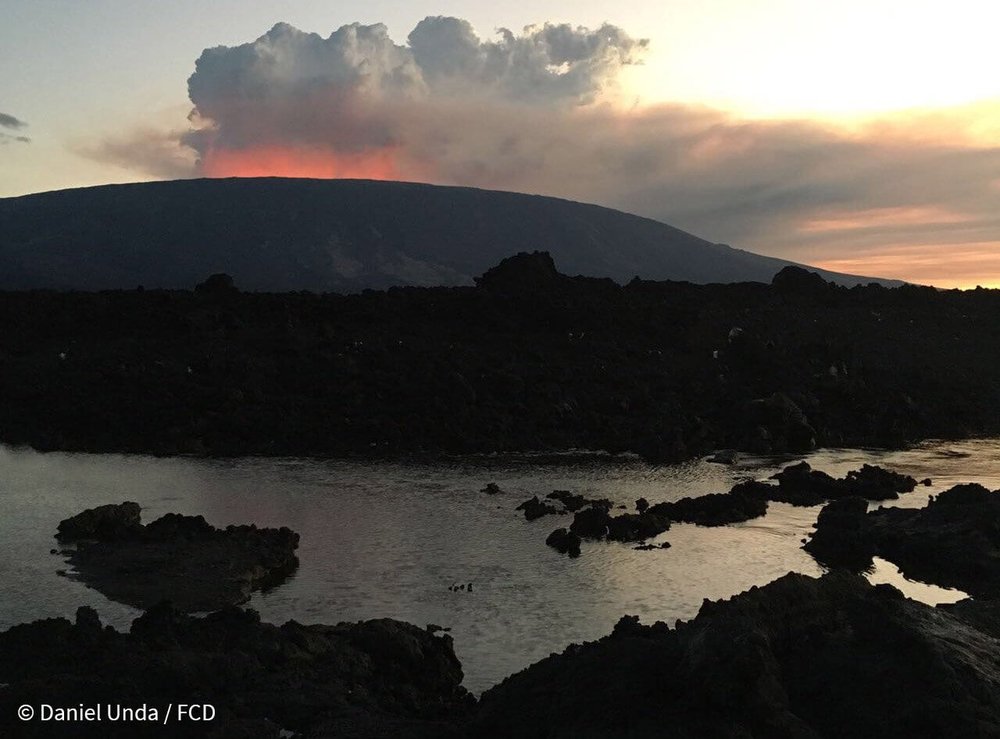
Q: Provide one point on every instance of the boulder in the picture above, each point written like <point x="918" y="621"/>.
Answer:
<point x="534" y="508"/>
<point x="630" y="527"/>
<point x="800" y="484"/>
<point x="591" y="522"/>
<point x="876" y="483"/>
<point x="564" y="542"/>
<point x="573" y="502"/>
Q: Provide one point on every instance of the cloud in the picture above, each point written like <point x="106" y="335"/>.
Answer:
<point x="356" y="91"/>
<point x="9" y="121"/>
<point x="15" y="124"/>
<point x="540" y="111"/>
<point x="151" y="151"/>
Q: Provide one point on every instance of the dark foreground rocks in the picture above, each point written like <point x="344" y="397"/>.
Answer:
<point x="528" y="360"/>
<point x="371" y="679"/>
<point x="954" y="541"/>
<point x="182" y="559"/>
<point x="801" y="657"/>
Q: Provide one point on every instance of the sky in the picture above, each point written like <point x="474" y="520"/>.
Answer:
<point x="858" y="136"/>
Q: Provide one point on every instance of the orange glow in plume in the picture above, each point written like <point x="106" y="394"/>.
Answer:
<point x="285" y="161"/>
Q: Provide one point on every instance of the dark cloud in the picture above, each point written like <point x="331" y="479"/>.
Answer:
<point x="9" y="121"/>
<point x="536" y="111"/>
<point x="7" y="138"/>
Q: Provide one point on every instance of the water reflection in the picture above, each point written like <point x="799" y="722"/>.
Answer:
<point x="885" y="572"/>
<point x="386" y="539"/>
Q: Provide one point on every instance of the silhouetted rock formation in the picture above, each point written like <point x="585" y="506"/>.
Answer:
<point x="182" y="559"/>
<point x="841" y="538"/>
<point x="534" y="508"/>
<point x="954" y="541"/>
<point x="714" y="509"/>
<point x="799" y="484"/>
<point x="548" y="363"/>
<point x="110" y="522"/>
<point x="800" y="657"/>
<point x="369" y="679"/>
<point x="564" y="542"/>
<point x="521" y="272"/>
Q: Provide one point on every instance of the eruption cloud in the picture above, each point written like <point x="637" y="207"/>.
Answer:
<point x="542" y="111"/>
<point x="358" y="104"/>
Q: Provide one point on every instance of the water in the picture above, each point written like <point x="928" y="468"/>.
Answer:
<point x="387" y="540"/>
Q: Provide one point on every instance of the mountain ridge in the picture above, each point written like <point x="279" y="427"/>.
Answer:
<point x="280" y="234"/>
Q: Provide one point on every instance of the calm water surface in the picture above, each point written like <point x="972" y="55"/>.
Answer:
<point x="387" y="540"/>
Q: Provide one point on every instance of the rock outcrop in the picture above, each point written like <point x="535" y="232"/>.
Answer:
<point x="182" y="559"/>
<point x="368" y="679"/>
<point x="714" y="509"/>
<point x="954" y="541"/>
<point x="799" y="484"/>
<point x="799" y="657"/>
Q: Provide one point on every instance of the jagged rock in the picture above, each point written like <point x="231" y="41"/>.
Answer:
<point x="841" y="537"/>
<point x="178" y="558"/>
<point x="637" y="526"/>
<point x="800" y="484"/>
<point x="875" y="483"/>
<point x="219" y="284"/>
<point x="104" y="523"/>
<point x="491" y="489"/>
<point x="591" y="522"/>
<point x="641" y="505"/>
<point x="800" y="657"/>
<point x="714" y="509"/>
<point x="650" y="547"/>
<point x="793" y="279"/>
<point x="564" y="542"/>
<point x="954" y="541"/>
<point x="522" y="271"/>
<point x="573" y="502"/>
<point x="534" y="508"/>
<point x="259" y="677"/>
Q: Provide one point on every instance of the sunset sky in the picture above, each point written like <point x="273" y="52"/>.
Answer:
<point x="861" y="136"/>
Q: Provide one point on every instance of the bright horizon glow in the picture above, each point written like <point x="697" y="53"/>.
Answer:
<point x="837" y="61"/>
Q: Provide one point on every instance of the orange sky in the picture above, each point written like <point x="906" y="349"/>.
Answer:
<point x="286" y="161"/>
